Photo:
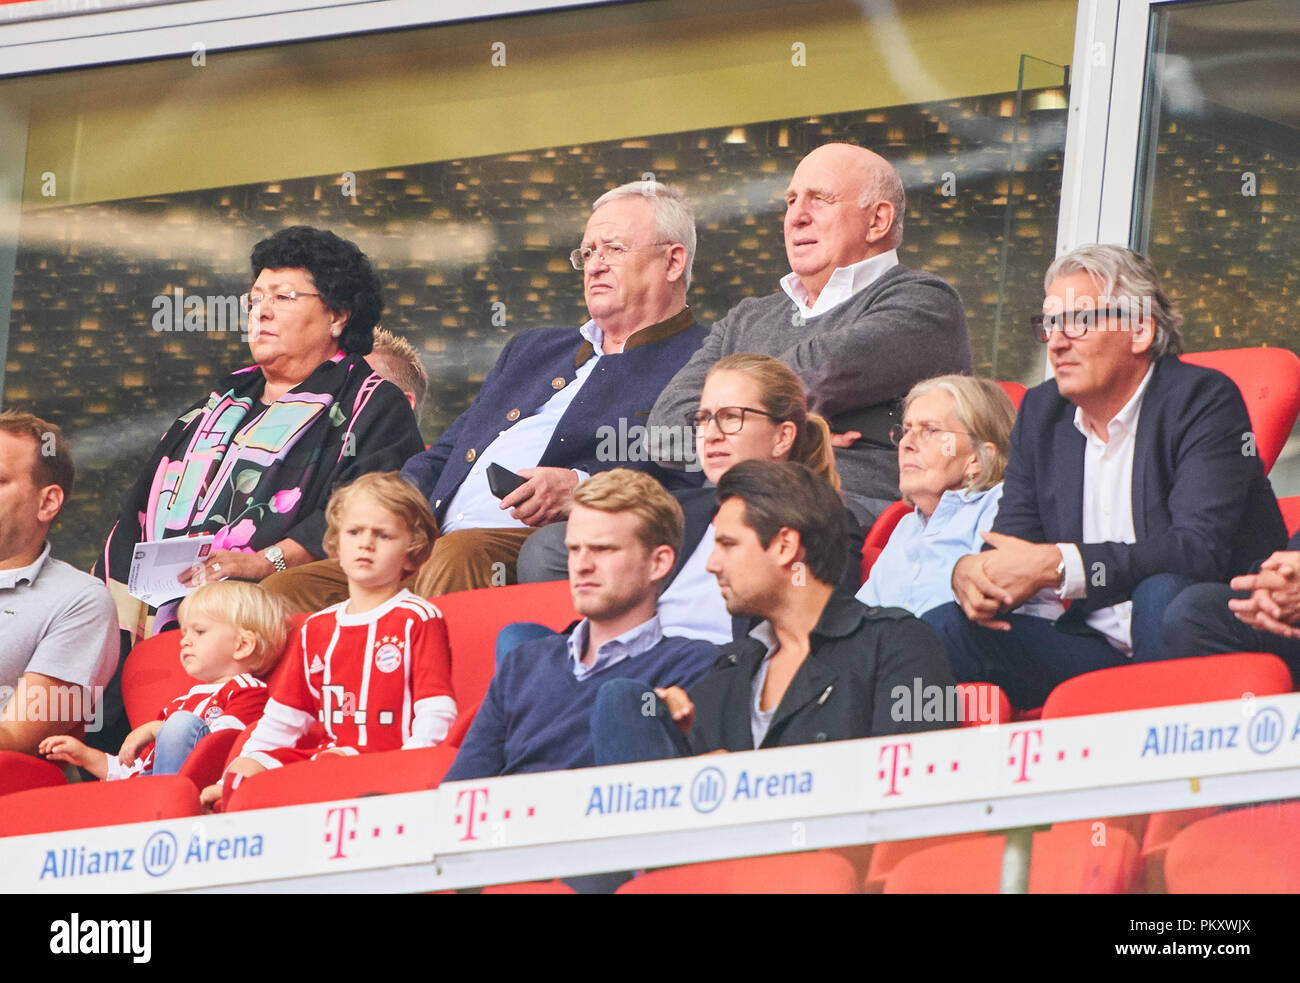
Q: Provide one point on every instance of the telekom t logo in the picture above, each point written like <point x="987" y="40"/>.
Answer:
<point x="893" y="751"/>
<point x="1025" y="755"/>
<point x="474" y="811"/>
<point x="346" y="823"/>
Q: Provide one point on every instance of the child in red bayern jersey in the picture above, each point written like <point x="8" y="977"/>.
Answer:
<point x="372" y="673"/>
<point x="231" y="633"/>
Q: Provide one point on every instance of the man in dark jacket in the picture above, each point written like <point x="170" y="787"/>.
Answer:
<point x="820" y="667"/>
<point x="1131" y="477"/>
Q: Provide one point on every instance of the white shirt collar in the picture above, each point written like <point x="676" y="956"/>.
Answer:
<point x="9" y="578"/>
<point x="845" y="282"/>
<point x="591" y="331"/>
<point x="1126" y="419"/>
<point x="628" y="645"/>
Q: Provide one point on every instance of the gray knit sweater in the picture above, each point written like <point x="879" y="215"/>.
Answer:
<point x="906" y="326"/>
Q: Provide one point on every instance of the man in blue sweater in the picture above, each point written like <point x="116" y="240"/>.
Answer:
<point x="623" y="536"/>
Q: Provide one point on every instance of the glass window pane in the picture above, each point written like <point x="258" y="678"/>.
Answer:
<point x="464" y="164"/>
<point x="1219" y="180"/>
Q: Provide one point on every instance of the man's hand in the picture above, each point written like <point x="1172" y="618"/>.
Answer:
<point x="228" y="565"/>
<point x="846" y="439"/>
<point x="978" y="596"/>
<point x="1019" y="567"/>
<point x="547" y="496"/>
<point x="678" y="705"/>
<point x="1274" y="603"/>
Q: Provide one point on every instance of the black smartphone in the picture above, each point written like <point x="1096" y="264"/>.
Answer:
<point x="502" y="481"/>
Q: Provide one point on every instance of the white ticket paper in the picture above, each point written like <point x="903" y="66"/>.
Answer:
<point x="155" y="565"/>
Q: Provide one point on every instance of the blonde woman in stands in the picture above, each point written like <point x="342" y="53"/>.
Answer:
<point x="752" y="407"/>
<point x="952" y="452"/>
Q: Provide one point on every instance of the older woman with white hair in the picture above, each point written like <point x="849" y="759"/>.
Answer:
<point x="952" y="451"/>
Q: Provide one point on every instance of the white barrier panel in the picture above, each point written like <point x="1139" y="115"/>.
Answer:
<point x="1100" y="754"/>
<point x="266" y="844"/>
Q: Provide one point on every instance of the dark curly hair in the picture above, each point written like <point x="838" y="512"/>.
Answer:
<point x="341" y="272"/>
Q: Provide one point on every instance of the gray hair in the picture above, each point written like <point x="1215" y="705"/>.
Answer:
<point x="884" y="184"/>
<point x="674" y="216"/>
<point x="985" y="410"/>
<point x="1128" y="280"/>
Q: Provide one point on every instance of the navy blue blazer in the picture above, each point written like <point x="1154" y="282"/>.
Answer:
<point x="535" y="365"/>
<point x="1202" y="505"/>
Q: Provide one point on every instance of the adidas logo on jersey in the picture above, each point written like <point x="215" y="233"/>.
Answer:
<point x="316" y="665"/>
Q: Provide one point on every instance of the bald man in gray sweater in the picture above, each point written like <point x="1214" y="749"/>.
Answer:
<point x="856" y="326"/>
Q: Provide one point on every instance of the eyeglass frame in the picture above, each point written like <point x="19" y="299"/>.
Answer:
<point x="701" y="418"/>
<point x="575" y="257"/>
<point x="900" y="430"/>
<point x="1037" y="321"/>
<point x="247" y="302"/>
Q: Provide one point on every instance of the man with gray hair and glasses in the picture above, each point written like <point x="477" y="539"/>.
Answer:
<point x="1127" y="482"/>
<point x="545" y="410"/>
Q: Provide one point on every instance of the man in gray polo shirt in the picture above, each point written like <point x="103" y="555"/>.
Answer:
<point x="856" y="326"/>
<point x="58" y="627"/>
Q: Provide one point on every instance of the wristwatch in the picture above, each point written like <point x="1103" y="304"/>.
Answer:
<point x="276" y="556"/>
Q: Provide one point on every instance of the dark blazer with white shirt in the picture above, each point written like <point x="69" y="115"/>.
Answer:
<point x="1202" y="505"/>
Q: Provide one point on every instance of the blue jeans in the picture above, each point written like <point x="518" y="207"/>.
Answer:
<point x="629" y="723"/>
<point x="1034" y="656"/>
<point x="178" y="736"/>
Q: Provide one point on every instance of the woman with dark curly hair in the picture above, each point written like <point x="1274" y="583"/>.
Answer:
<point x="256" y="459"/>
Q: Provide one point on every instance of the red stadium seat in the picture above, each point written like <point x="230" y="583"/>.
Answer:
<point x="531" y="887"/>
<point x="1169" y="683"/>
<point x="209" y="758"/>
<point x="20" y="772"/>
<point x="1064" y="860"/>
<point x="152" y="677"/>
<point x="84" y="804"/>
<point x="338" y="777"/>
<point x="1015" y="392"/>
<point x="1269" y="380"/>
<point x="1241" y="851"/>
<point x="886" y="856"/>
<point x="475" y="616"/>
<point x="983" y="703"/>
<point x="1160" y="684"/>
<point x="879" y="533"/>
<point x="793" y="873"/>
<point x="1290" y="506"/>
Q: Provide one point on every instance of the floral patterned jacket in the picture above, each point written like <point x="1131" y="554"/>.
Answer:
<point x="255" y="474"/>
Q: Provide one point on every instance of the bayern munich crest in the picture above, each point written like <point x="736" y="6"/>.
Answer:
<point x="388" y="656"/>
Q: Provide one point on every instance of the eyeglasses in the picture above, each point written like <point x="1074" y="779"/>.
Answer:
<point x="1072" y="324"/>
<point x="730" y="419"/>
<point x="925" y="433"/>
<point x="613" y="252"/>
<point x="268" y="302"/>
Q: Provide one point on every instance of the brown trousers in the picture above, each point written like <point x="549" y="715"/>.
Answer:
<point x="462" y="560"/>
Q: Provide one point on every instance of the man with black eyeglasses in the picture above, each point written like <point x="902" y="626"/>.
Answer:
<point x="1130" y="478"/>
